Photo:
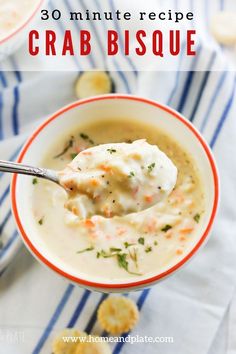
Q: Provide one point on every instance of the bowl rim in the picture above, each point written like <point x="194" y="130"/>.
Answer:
<point x="24" y="24"/>
<point x="134" y="284"/>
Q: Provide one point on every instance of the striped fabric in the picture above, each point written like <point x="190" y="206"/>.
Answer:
<point x="191" y="305"/>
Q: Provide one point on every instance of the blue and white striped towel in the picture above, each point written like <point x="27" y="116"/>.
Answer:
<point x="194" y="306"/>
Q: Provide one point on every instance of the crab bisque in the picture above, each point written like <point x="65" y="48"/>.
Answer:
<point x="123" y="248"/>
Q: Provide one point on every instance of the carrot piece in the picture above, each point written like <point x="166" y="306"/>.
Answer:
<point x="186" y="231"/>
<point x="148" y="198"/>
<point x="88" y="223"/>
<point x="88" y="153"/>
<point x="94" y="182"/>
<point x="179" y="252"/>
<point x="105" y="168"/>
<point x="108" y="213"/>
<point x="136" y="156"/>
<point x="74" y="210"/>
<point x="182" y="238"/>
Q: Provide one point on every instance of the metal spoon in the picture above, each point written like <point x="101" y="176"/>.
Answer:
<point x="83" y="188"/>
<point x="13" y="167"/>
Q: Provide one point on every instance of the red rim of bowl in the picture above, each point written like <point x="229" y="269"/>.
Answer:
<point x="18" y="29"/>
<point x="134" y="284"/>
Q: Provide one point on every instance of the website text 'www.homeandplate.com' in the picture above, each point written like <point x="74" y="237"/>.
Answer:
<point x="127" y="339"/>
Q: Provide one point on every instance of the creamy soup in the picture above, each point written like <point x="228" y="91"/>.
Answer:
<point x="13" y="13"/>
<point x="127" y="247"/>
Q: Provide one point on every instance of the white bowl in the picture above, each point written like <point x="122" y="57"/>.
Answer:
<point x="117" y="106"/>
<point x="15" y="38"/>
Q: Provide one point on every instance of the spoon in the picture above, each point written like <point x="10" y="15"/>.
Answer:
<point x="110" y="179"/>
<point x="13" y="167"/>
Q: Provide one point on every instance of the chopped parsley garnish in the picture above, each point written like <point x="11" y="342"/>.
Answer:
<point x="41" y="221"/>
<point x="166" y="228"/>
<point x="67" y="147"/>
<point x="127" y="244"/>
<point x="121" y="257"/>
<point x="73" y="155"/>
<point x="34" y="181"/>
<point x="197" y="218"/>
<point x="114" y="249"/>
<point x="148" y="249"/>
<point x="141" y="240"/>
<point x="134" y="256"/>
<point x="151" y="167"/>
<point x="101" y="253"/>
<point x="91" y="248"/>
<point x="111" y="151"/>
<point x="86" y="137"/>
<point x="122" y="262"/>
<point x="132" y="174"/>
<point x="155" y="243"/>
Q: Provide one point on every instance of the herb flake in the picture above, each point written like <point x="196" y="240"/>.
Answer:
<point x="35" y="181"/>
<point x="166" y="228"/>
<point x="91" y="248"/>
<point x="41" y="221"/>
<point x="114" y="249"/>
<point x="148" y="249"/>
<point x="73" y="155"/>
<point x="122" y="262"/>
<point x="134" y="256"/>
<point x="86" y="137"/>
<point x="67" y="147"/>
<point x="127" y="244"/>
<point x="111" y="151"/>
<point x="121" y="257"/>
<point x="132" y="174"/>
<point x="151" y="167"/>
<point x="141" y="240"/>
<point x="112" y="252"/>
<point x="197" y="218"/>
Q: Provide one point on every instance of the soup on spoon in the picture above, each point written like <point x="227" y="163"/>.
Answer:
<point x="117" y="179"/>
